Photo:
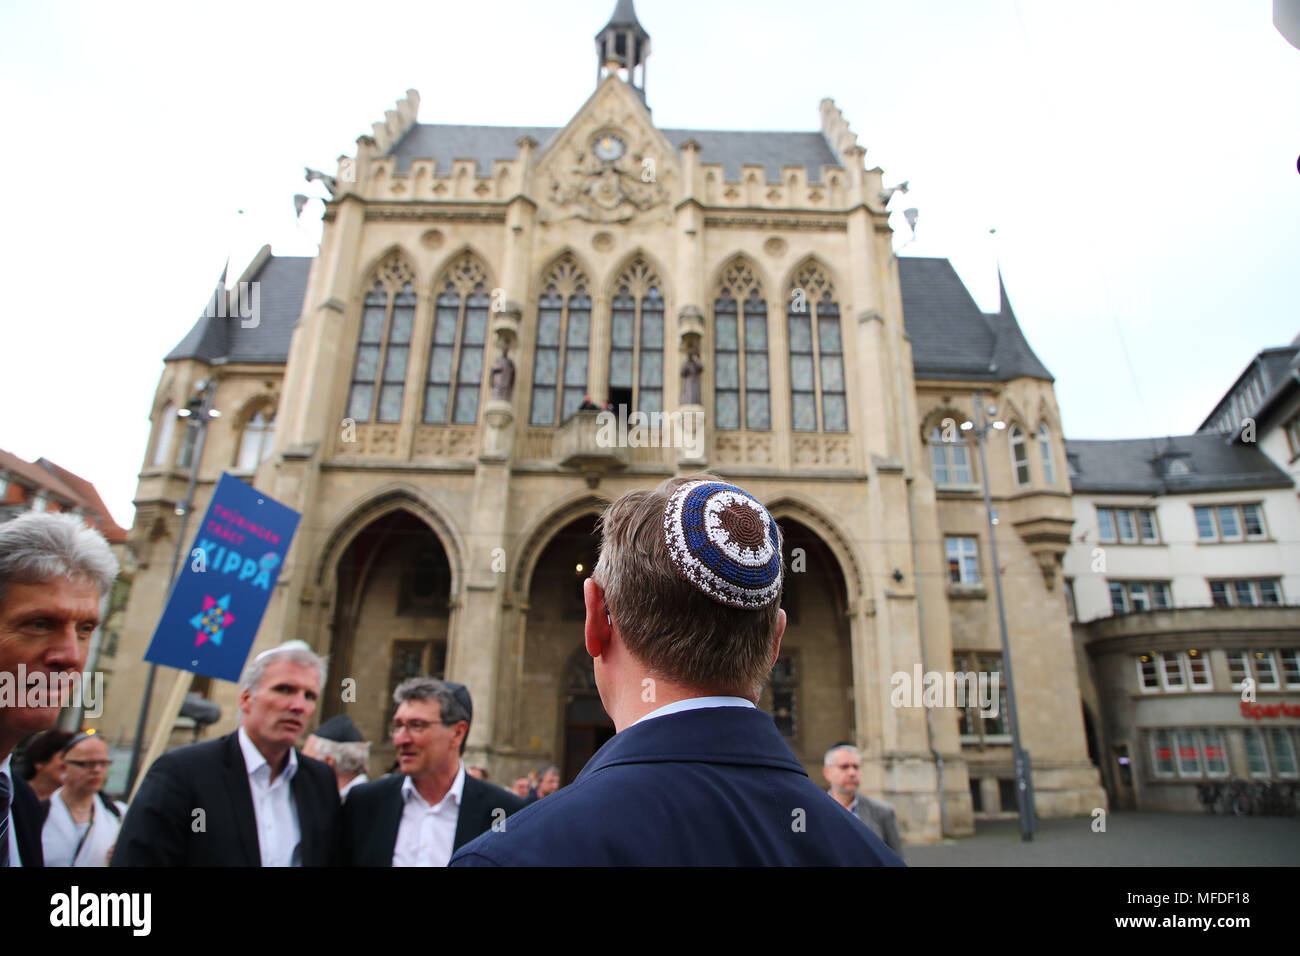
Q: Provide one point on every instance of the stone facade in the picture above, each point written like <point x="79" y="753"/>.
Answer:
<point x="452" y="537"/>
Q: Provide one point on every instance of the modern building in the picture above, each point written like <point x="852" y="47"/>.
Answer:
<point x="415" y="392"/>
<point x="1184" y="580"/>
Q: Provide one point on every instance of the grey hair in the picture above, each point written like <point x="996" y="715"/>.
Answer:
<point x="39" y="547"/>
<point x="299" y="652"/>
<point x="430" y="688"/>
<point x="350" y="757"/>
<point x="545" y="770"/>
<point x="826" y="761"/>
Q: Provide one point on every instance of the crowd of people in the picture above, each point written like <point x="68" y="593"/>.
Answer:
<point x="687" y="588"/>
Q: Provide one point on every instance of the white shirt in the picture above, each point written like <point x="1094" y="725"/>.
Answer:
<point x="61" y="835"/>
<point x="356" y="781"/>
<point x="278" y="835"/>
<point x="14" y="858"/>
<point x="428" y="833"/>
<point x="694" y="703"/>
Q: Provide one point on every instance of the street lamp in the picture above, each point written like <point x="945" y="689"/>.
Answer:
<point x="1024" y="778"/>
<point x="198" y="413"/>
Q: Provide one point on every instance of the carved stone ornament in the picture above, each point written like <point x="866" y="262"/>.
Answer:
<point x="605" y="191"/>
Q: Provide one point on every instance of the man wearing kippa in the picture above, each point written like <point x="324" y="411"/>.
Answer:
<point x="684" y="625"/>
<point x="338" y="743"/>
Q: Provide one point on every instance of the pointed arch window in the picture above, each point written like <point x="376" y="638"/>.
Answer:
<point x="166" y="428"/>
<point x="636" y="354"/>
<point x="740" y="356"/>
<point x="383" y="345"/>
<point x="1019" y="456"/>
<point x="950" y="460"/>
<point x="256" y="440"/>
<point x="563" y="340"/>
<point x="1045" y="451"/>
<point x="816" y="362"/>
<point x="460" y="325"/>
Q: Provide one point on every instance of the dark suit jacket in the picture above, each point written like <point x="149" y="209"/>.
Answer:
<point x="882" y="820"/>
<point x="372" y="816"/>
<point x="160" y="824"/>
<point x="28" y="819"/>
<point x="711" y="787"/>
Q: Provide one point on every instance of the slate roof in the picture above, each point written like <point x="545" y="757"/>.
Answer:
<point x="444" y="143"/>
<point x="951" y="337"/>
<point x="282" y="285"/>
<point x="1279" y="368"/>
<point x="1137" y="466"/>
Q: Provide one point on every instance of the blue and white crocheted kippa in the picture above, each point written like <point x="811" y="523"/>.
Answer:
<point x="723" y="542"/>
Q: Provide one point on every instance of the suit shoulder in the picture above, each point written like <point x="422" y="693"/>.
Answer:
<point x="496" y="796"/>
<point x="375" y="790"/>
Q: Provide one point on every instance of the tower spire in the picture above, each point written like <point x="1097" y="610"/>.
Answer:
<point x="622" y="46"/>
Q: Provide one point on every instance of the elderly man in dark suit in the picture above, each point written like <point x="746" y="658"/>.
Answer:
<point x="249" y="798"/>
<point x="54" y="571"/>
<point x="684" y="624"/>
<point x="433" y="807"/>
<point x="842" y="769"/>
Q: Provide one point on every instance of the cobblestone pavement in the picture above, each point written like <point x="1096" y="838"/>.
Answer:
<point x="1131" y="839"/>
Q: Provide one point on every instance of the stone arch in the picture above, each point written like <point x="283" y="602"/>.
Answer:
<point x="935" y="417"/>
<point x="541" y="276"/>
<point x="812" y="516"/>
<point x="375" y="268"/>
<point x="836" y="285"/>
<point x="719" y="278"/>
<point x="383" y="501"/>
<point x="608" y="286"/>
<point x="537" y="535"/>
<point x="449" y="263"/>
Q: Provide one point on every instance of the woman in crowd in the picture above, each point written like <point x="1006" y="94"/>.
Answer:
<point x="82" y="824"/>
<point x="43" y="762"/>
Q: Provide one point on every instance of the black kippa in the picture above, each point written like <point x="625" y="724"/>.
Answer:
<point x="461" y="693"/>
<point x="339" y="729"/>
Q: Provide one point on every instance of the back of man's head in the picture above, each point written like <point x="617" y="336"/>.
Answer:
<point x="701" y="612"/>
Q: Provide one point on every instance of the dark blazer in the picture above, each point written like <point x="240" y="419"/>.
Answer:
<point x="372" y="816"/>
<point x="28" y="820"/>
<point x="161" y="823"/>
<point x="881" y="819"/>
<point x="711" y="787"/>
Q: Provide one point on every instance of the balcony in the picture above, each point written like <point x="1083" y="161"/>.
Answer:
<point x="586" y="443"/>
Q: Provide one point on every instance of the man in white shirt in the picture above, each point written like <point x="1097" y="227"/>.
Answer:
<point x="246" y="799"/>
<point x="54" y="571"/>
<point x="419" y="818"/>
<point x="338" y="743"/>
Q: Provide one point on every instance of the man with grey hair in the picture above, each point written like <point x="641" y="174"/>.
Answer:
<point x="842" y="769"/>
<point x="684" y="624"/>
<point x="339" y="744"/>
<point x="249" y="798"/>
<point x="433" y="807"/>
<point x="54" y="573"/>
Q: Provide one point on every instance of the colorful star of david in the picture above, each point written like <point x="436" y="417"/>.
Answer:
<point x="212" y="621"/>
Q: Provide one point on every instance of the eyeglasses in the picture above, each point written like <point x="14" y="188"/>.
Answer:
<point x="90" y="764"/>
<point x="417" y="726"/>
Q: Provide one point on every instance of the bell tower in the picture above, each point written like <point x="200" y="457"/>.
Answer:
<point x="622" y="46"/>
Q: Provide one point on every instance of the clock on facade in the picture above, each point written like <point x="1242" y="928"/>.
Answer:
<point x="608" y="147"/>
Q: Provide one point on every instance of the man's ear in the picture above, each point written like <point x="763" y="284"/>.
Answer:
<point x="598" y="630"/>
<point x="245" y="697"/>
<point x="780" y="629"/>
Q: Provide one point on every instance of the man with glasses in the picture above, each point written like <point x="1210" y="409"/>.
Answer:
<point x="423" y="814"/>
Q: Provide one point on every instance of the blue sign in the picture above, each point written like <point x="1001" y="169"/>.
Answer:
<point x="216" y="607"/>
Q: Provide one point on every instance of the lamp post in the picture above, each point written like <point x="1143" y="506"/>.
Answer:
<point x="1024" y="778"/>
<point x="197" y="414"/>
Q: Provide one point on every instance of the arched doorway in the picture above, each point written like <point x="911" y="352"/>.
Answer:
<point x="810" y="693"/>
<point x="586" y="725"/>
<point x="390" y="623"/>
<point x="553" y="636"/>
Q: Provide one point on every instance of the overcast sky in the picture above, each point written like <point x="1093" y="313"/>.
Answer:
<point x="1138" y="160"/>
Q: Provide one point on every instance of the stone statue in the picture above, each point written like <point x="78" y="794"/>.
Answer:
<point x="691" y="371"/>
<point x="503" y="376"/>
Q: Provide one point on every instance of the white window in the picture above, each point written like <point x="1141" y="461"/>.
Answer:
<point x="40" y="502"/>
<point x="1189" y="753"/>
<point x="1216" y="755"/>
<point x="1134" y="596"/>
<point x="1019" y="456"/>
<point x="1162" y="753"/>
<point x="1229" y="529"/>
<point x="188" y="441"/>
<point x="963" y="560"/>
<point x="1106" y="522"/>
<point x="1265" y="671"/>
<point x="1291" y="667"/>
<point x="1252" y="520"/>
<point x="1205" y="527"/>
<point x="1045" y="450"/>
<point x="1256" y="754"/>
<point x="1283" y="752"/>
<point x="950" y="460"/>
<point x="1231" y="523"/>
<point x="1171" y="671"/>
<point x="1198" y="668"/>
<point x="1238" y="668"/>
<point x="1292" y="429"/>
<point x="1246" y="592"/>
<point x="1127" y="525"/>
<point x="166" y="426"/>
<point x="255" y="443"/>
<point x="1148" y="672"/>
